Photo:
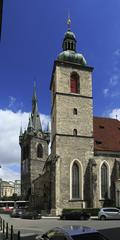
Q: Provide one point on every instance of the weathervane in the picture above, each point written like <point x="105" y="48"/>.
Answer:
<point x="69" y="21"/>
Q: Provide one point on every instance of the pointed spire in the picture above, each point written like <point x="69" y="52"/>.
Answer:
<point x="34" y="92"/>
<point x="35" y="118"/>
<point x="34" y="100"/>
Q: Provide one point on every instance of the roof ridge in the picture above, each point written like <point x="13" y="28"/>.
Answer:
<point x="106" y="118"/>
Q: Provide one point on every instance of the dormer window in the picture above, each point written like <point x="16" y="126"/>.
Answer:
<point x="101" y="126"/>
<point x="98" y="142"/>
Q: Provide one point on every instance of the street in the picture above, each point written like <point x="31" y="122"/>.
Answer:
<point x="110" y="229"/>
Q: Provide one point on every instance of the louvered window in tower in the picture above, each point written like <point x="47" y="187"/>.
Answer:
<point x="74" y="83"/>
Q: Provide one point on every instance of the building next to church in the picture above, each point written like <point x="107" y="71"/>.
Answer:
<point x="9" y="188"/>
<point x="83" y="169"/>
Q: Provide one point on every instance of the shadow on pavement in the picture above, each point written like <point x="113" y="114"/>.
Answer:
<point x="111" y="233"/>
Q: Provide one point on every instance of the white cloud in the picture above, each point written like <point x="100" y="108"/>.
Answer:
<point x="115" y="93"/>
<point x="115" y="113"/>
<point x="106" y="92"/>
<point x="10" y="123"/>
<point x="114" y="80"/>
<point x="8" y="174"/>
<point x="117" y="52"/>
<point x="45" y="121"/>
<point x="12" y="100"/>
<point x="114" y="77"/>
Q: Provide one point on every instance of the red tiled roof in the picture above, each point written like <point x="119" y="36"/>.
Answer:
<point x="106" y="132"/>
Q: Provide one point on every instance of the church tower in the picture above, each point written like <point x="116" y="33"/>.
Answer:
<point x="34" y="149"/>
<point x="72" y="127"/>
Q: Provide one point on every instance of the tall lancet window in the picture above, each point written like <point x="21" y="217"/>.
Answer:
<point x="74" y="83"/>
<point x="104" y="181"/>
<point x="75" y="181"/>
<point x="39" y="151"/>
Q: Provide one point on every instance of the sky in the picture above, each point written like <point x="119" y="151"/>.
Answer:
<point x="32" y="35"/>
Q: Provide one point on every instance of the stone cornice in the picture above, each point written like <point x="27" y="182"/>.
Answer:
<point x="106" y="153"/>
<point x="69" y="65"/>
<point x="68" y="94"/>
<point x="69" y="135"/>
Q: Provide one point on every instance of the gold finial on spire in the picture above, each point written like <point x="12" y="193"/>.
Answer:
<point x="69" y="21"/>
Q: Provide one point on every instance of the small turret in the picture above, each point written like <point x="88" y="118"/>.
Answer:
<point x="21" y="135"/>
<point x="30" y="126"/>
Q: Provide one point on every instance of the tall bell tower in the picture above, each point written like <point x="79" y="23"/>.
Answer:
<point x="72" y="127"/>
<point x="34" y="149"/>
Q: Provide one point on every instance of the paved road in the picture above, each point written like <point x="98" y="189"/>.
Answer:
<point x="110" y="229"/>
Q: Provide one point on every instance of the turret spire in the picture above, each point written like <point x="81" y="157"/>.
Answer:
<point x="34" y="100"/>
<point x="30" y="126"/>
<point x="34" y="120"/>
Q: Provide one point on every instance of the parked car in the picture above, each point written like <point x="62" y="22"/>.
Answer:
<point x="31" y="215"/>
<point x="17" y="212"/>
<point x="75" y="215"/>
<point x="72" y="233"/>
<point x="7" y="209"/>
<point x="109" y="213"/>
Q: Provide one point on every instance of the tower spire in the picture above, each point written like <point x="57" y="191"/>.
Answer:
<point x="69" y="53"/>
<point x="35" y="118"/>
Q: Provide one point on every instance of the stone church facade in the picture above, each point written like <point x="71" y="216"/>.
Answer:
<point x="83" y="169"/>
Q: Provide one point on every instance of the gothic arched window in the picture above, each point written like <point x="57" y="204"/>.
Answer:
<point x="40" y="151"/>
<point x="104" y="181"/>
<point x="75" y="181"/>
<point x="74" y="83"/>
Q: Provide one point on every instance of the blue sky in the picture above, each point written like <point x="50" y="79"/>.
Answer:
<point x="32" y="35"/>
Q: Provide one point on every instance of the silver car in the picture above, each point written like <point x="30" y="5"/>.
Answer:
<point x="109" y="213"/>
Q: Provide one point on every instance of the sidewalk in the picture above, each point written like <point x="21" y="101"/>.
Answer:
<point x="24" y="236"/>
